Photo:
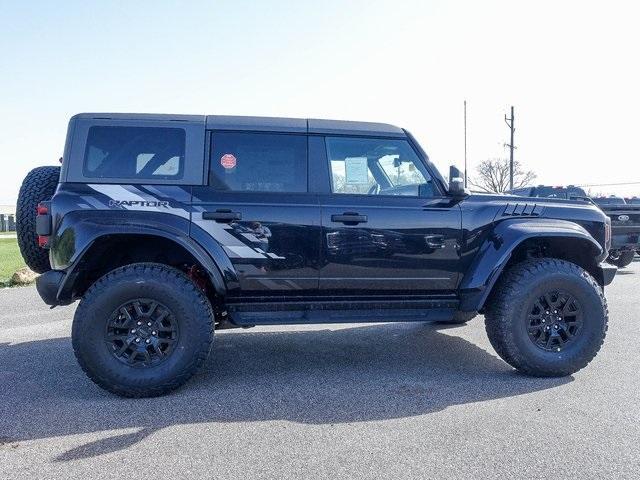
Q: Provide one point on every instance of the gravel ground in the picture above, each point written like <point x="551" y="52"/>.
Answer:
<point x="341" y="401"/>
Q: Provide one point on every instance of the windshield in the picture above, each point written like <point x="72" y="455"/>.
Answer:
<point x="400" y="172"/>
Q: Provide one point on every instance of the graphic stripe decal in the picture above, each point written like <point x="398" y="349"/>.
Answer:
<point x="218" y="232"/>
<point x="244" y="251"/>
<point x="93" y="201"/>
<point x="132" y="194"/>
<point x="116" y="192"/>
<point x="234" y="247"/>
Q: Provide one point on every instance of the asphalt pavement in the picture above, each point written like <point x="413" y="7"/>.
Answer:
<point x="340" y="401"/>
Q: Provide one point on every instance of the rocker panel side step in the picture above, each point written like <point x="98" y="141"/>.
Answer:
<point x="339" y="312"/>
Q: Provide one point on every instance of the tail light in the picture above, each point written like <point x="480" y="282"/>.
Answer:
<point x="43" y="224"/>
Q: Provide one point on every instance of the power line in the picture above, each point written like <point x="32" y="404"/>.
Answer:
<point x="608" y="184"/>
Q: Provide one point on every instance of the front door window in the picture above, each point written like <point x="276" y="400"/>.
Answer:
<point x="376" y="167"/>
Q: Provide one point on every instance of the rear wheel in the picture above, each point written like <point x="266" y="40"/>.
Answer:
<point x="38" y="186"/>
<point x="547" y="317"/>
<point x="142" y="330"/>
<point x="621" y="258"/>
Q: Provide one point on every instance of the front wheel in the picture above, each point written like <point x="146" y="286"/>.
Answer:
<point x="142" y="330"/>
<point x="547" y="317"/>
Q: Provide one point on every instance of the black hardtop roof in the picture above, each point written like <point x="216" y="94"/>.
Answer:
<point x="268" y="124"/>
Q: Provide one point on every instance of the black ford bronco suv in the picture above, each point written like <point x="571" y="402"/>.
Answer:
<point x="168" y="226"/>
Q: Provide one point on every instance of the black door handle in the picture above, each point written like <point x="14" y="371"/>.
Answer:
<point x="349" y="218"/>
<point x="222" y="216"/>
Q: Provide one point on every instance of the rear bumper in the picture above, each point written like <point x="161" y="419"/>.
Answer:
<point x="606" y="273"/>
<point x="48" y="285"/>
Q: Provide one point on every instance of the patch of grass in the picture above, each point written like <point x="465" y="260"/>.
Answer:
<point x="10" y="259"/>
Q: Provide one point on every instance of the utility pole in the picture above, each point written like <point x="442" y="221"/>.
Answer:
<point x="511" y="124"/>
<point x="465" y="144"/>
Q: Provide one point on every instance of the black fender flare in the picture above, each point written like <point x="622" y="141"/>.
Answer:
<point x="497" y="249"/>
<point x="79" y="231"/>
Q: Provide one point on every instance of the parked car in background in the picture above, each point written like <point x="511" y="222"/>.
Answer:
<point x="625" y="218"/>
<point x="569" y="192"/>
<point x="625" y="226"/>
<point x="634" y="201"/>
<point x="610" y="200"/>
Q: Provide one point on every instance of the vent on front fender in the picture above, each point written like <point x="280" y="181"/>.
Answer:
<point x="522" y="209"/>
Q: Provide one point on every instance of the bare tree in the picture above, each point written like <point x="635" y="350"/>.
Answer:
<point x="492" y="175"/>
<point x="595" y="193"/>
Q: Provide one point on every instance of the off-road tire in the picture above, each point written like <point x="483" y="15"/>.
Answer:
<point x="190" y="308"/>
<point x="459" y="318"/>
<point x="623" y="259"/>
<point x="507" y="314"/>
<point x="38" y="186"/>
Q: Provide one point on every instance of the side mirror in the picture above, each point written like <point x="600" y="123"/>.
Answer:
<point x="456" y="183"/>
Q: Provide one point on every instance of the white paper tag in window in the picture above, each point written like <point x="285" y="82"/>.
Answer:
<point x="356" y="170"/>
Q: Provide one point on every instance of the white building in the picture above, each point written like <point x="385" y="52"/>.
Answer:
<point x="8" y="209"/>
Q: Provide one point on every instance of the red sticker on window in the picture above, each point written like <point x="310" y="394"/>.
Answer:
<point x="228" y="161"/>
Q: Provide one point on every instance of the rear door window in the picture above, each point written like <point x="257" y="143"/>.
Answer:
<point x="258" y="162"/>
<point x="138" y="153"/>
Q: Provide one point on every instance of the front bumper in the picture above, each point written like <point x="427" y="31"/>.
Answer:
<point x="605" y="273"/>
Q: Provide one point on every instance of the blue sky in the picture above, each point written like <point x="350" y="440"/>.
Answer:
<point x="570" y="68"/>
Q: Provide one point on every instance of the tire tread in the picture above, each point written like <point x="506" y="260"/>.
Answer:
<point x="39" y="185"/>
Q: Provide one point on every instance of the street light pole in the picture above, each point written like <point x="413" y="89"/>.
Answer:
<point x="465" y="144"/>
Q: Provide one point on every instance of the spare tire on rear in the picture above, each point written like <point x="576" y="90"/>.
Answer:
<point x="38" y="186"/>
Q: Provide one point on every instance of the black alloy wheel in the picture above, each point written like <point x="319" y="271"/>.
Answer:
<point x="141" y="333"/>
<point x="554" y="320"/>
